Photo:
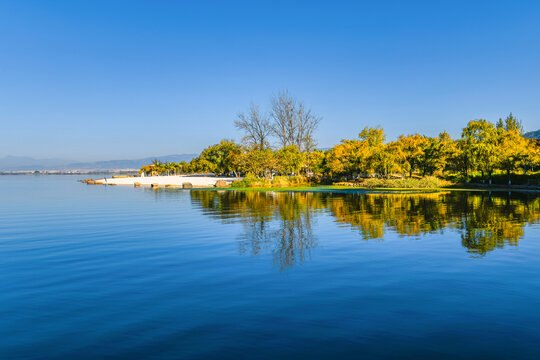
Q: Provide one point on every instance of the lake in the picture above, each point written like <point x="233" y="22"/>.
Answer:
<point x="108" y="271"/>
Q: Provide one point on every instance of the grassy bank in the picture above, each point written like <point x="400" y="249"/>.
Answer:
<point x="277" y="182"/>
<point x="301" y="184"/>
<point x="362" y="190"/>
<point x="342" y="189"/>
<point x="428" y="182"/>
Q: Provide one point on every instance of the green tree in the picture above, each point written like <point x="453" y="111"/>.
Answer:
<point x="373" y="136"/>
<point x="412" y="149"/>
<point x="256" y="161"/>
<point x="290" y="160"/>
<point x="433" y="157"/>
<point x="510" y="124"/>
<point x="383" y="160"/>
<point x="317" y="162"/>
<point x="479" y="144"/>
<point x="217" y="158"/>
<point x="513" y="150"/>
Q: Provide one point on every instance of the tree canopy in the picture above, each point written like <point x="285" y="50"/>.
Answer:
<point x="483" y="147"/>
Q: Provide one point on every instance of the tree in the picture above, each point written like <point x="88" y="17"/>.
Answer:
<point x="373" y="136"/>
<point x="534" y="154"/>
<point x="448" y="150"/>
<point x="283" y="115"/>
<point x="383" y="160"/>
<point x="510" y="124"/>
<point x="353" y="156"/>
<point x="290" y="160"/>
<point x="216" y="158"/>
<point x="293" y="123"/>
<point x="349" y="157"/>
<point x="432" y="158"/>
<point x="512" y="151"/>
<point x="479" y="144"/>
<point x="256" y="127"/>
<point x="371" y="155"/>
<point x="317" y="162"/>
<point x="339" y="158"/>
<point x="306" y="124"/>
<point x="256" y="161"/>
<point x="412" y="149"/>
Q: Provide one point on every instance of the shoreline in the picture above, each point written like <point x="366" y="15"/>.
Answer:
<point x="209" y="182"/>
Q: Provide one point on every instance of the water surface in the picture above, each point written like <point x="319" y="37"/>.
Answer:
<point x="95" y="271"/>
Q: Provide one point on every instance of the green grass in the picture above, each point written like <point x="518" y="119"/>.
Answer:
<point x="337" y="188"/>
<point x="360" y="190"/>
<point x="300" y="184"/>
<point x="428" y="182"/>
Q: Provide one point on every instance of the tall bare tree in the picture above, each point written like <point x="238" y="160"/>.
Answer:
<point x="256" y="127"/>
<point x="283" y="115"/>
<point x="293" y="123"/>
<point x="306" y="124"/>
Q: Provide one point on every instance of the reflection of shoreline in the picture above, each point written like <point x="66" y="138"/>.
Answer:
<point x="290" y="241"/>
<point x="485" y="222"/>
<point x="282" y="222"/>
<point x="276" y="222"/>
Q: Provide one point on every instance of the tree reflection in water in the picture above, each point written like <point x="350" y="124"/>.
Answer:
<point x="282" y="222"/>
<point x="485" y="221"/>
<point x="279" y="222"/>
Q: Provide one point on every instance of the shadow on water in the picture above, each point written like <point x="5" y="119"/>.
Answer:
<point x="282" y="223"/>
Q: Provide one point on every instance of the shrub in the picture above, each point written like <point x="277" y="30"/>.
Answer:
<point x="280" y="181"/>
<point x="427" y="182"/>
<point x="251" y="181"/>
<point x="298" y="180"/>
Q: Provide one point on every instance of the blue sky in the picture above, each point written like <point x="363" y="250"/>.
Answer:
<point x="93" y="80"/>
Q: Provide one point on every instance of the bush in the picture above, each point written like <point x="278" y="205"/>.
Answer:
<point x="428" y="182"/>
<point x="251" y="181"/>
<point x="280" y="181"/>
<point x="298" y="180"/>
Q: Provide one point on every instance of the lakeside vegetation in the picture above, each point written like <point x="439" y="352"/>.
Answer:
<point x="278" y="150"/>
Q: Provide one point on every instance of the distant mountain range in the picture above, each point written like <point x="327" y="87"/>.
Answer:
<point x="532" y="134"/>
<point x="22" y="163"/>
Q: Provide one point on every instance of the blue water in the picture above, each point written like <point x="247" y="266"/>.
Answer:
<point x="94" y="271"/>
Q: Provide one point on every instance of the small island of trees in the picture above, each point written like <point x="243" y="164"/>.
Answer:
<point x="279" y="149"/>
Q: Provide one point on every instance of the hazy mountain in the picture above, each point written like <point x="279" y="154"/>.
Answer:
<point x="128" y="164"/>
<point x="532" y="134"/>
<point x="28" y="163"/>
<point x="15" y="163"/>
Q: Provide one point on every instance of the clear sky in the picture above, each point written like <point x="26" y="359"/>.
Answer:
<point x="96" y="80"/>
